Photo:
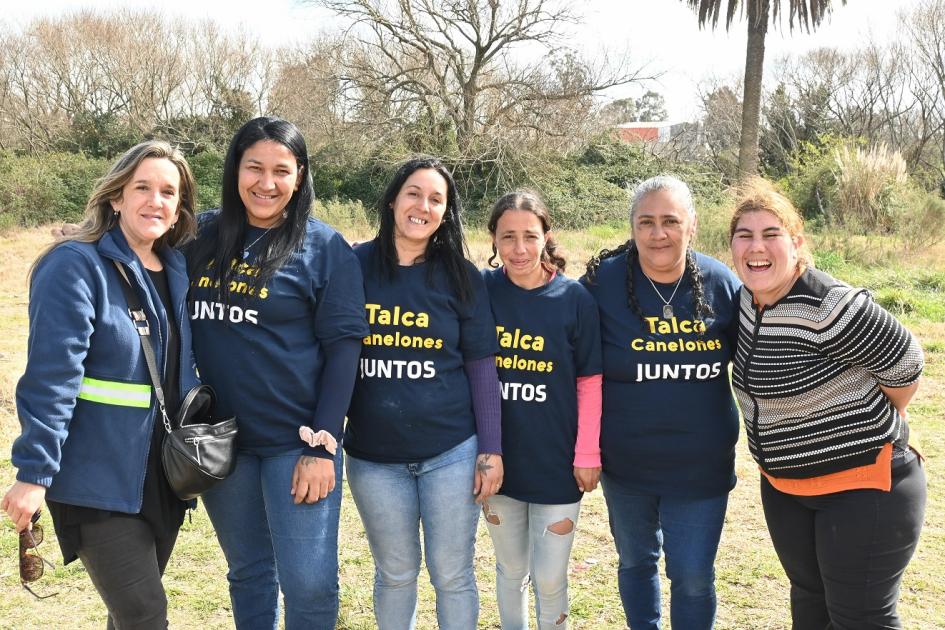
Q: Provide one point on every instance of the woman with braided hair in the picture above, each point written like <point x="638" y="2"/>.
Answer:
<point x="669" y="423"/>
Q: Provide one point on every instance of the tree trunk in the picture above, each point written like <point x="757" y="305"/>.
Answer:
<point x="751" y="101"/>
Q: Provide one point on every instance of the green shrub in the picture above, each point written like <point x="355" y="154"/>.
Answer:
<point x="207" y="167"/>
<point x="917" y="218"/>
<point x="47" y="188"/>
<point x="811" y="178"/>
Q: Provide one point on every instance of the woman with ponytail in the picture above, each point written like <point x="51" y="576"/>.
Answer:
<point x="669" y="423"/>
<point x="549" y="365"/>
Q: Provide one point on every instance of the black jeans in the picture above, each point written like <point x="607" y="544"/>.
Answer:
<point x="845" y="553"/>
<point x="125" y="562"/>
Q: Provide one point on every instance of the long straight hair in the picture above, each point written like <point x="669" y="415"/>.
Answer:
<point x="100" y="216"/>
<point x="222" y="242"/>
<point x="447" y="245"/>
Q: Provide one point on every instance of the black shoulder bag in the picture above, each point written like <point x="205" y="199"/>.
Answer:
<point x="199" y="450"/>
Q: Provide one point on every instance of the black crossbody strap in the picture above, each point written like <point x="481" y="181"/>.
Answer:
<point x="140" y="320"/>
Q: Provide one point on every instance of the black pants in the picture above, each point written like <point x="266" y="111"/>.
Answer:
<point x="845" y="553"/>
<point x="126" y="562"/>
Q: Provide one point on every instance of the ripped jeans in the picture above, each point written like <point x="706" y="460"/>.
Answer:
<point x="532" y="545"/>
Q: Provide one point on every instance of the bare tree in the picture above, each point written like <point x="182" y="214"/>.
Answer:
<point x="458" y="61"/>
<point x="96" y="81"/>
<point x="721" y="124"/>
<point x="926" y="28"/>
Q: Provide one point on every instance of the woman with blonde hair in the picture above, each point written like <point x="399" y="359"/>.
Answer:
<point x="823" y="376"/>
<point x="90" y="441"/>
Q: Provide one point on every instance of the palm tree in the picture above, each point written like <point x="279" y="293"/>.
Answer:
<point x="805" y="13"/>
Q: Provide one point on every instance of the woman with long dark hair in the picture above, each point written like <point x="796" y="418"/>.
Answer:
<point x="423" y="437"/>
<point x="91" y="429"/>
<point x="669" y="423"/>
<point x="277" y="310"/>
<point x="549" y="364"/>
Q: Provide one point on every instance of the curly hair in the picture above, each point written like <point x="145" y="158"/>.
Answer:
<point x="530" y="202"/>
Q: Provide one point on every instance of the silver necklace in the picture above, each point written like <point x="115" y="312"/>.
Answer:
<point x="667" y="307"/>
<point x="250" y="246"/>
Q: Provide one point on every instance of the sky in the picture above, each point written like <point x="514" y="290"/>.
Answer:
<point x="662" y="34"/>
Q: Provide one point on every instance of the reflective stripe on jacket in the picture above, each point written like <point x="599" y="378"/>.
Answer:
<point x="85" y="403"/>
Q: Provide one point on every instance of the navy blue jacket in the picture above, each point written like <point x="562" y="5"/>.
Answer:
<point x="85" y="402"/>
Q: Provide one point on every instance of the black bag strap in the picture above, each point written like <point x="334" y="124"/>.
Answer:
<point x="140" y="320"/>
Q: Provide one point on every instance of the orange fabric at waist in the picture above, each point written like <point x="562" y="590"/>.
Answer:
<point x="875" y="476"/>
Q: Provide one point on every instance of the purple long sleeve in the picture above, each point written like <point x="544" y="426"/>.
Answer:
<point x="486" y="402"/>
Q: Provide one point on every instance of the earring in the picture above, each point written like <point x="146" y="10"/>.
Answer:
<point x="285" y="214"/>
<point x="173" y="225"/>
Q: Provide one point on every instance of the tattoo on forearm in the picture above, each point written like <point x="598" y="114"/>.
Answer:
<point x="305" y="460"/>
<point x="483" y="465"/>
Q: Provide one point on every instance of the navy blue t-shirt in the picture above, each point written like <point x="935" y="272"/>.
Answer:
<point x="411" y="399"/>
<point x="548" y="337"/>
<point x="264" y="352"/>
<point x="669" y="422"/>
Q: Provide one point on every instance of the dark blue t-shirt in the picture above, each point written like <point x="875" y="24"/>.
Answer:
<point x="548" y="337"/>
<point x="669" y="422"/>
<point x="411" y="399"/>
<point x="264" y="352"/>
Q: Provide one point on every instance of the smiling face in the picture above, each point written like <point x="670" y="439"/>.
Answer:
<point x="520" y="240"/>
<point x="268" y="177"/>
<point x="149" y="201"/>
<point x="418" y="209"/>
<point x="765" y="256"/>
<point x="662" y="230"/>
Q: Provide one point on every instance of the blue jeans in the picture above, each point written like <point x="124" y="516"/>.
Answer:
<point x="272" y="543"/>
<point x="393" y="500"/>
<point x="688" y="530"/>
<point x="528" y="550"/>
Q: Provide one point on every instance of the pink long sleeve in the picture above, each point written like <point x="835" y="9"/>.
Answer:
<point x="587" y="449"/>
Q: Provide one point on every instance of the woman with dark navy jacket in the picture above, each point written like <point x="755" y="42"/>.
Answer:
<point x="90" y="441"/>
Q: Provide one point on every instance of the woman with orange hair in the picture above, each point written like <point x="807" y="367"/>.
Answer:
<point x="823" y="376"/>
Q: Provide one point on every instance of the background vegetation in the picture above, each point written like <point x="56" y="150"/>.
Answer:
<point x="856" y="138"/>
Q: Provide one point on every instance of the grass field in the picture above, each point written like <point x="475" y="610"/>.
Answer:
<point x="752" y="588"/>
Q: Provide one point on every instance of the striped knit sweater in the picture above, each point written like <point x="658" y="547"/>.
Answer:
<point x="807" y="372"/>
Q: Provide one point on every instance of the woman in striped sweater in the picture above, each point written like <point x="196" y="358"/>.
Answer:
<point x="823" y="376"/>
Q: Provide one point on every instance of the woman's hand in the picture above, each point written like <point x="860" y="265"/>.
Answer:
<point x="587" y="478"/>
<point x="312" y="479"/>
<point x="21" y="502"/>
<point x="488" y="476"/>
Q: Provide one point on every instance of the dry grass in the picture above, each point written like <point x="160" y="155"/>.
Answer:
<point x="752" y="589"/>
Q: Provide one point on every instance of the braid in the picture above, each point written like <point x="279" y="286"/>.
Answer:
<point x="552" y="255"/>
<point x="632" y="300"/>
<point x="630" y="248"/>
<point x="703" y="308"/>
<point x="594" y="263"/>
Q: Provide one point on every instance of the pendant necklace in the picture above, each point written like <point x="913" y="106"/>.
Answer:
<point x="667" y="307"/>
<point x="250" y="246"/>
